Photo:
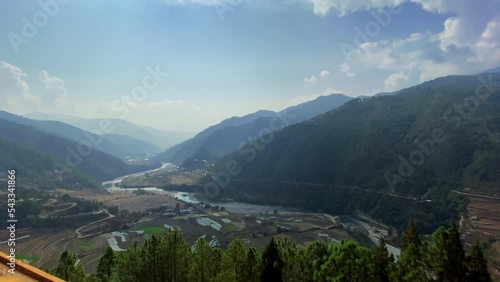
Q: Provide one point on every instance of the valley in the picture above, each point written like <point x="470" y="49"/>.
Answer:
<point x="153" y="211"/>
<point x="321" y="177"/>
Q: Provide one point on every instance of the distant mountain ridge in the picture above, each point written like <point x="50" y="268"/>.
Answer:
<point x="219" y="140"/>
<point x="493" y="70"/>
<point x="96" y="164"/>
<point x="120" y="146"/>
<point x="160" y="138"/>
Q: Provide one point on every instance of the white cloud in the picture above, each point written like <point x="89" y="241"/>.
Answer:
<point x="395" y="81"/>
<point x="430" y="70"/>
<point x="12" y="80"/>
<point x="441" y="6"/>
<point x="323" y="7"/>
<point x="14" y="90"/>
<point x="344" y="7"/>
<point x="488" y="46"/>
<point x="310" y="81"/>
<point x="54" y="89"/>
<point x="324" y="74"/>
<point x="469" y="42"/>
<point x="346" y="69"/>
<point x="17" y="97"/>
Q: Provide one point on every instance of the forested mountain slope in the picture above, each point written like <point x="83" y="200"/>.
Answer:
<point x="120" y="146"/>
<point x="220" y="140"/>
<point x="37" y="170"/>
<point x="96" y="164"/>
<point x="431" y="138"/>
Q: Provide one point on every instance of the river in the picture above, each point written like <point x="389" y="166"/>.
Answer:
<point x="237" y="207"/>
<point x="190" y="197"/>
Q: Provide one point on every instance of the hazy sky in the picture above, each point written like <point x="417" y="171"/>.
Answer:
<point x="94" y="58"/>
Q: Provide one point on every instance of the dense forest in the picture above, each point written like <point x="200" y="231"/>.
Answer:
<point x="221" y="139"/>
<point x="425" y="141"/>
<point x="47" y="161"/>
<point x="38" y="170"/>
<point x="346" y="200"/>
<point x="169" y="258"/>
<point x="116" y="145"/>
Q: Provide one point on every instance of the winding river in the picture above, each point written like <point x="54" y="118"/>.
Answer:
<point x="189" y="197"/>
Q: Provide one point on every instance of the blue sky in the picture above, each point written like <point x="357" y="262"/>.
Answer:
<point x="230" y="57"/>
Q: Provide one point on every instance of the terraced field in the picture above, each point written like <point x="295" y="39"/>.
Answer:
<point x="46" y="245"/>
<point x="483" y="224"/>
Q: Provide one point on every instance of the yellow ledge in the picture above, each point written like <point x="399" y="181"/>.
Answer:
<point x="23" y="272"/>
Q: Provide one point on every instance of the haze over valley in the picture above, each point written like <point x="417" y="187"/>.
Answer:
<point x="253" y="141"/>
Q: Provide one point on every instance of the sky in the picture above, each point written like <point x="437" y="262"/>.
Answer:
<point x="187" y="64"/>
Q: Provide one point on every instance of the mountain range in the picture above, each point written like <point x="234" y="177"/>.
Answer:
<point x="219" y="140"/>
<point x="120" y="146"/>
<point x="160" y="138"/>
<point x="39" y="147"/>
<point x="395" y="156"/>
<point x="379" y="154"/>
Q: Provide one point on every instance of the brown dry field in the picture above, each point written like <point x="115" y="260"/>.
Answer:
<point x="161" y="179"/>
<point x="126" y="200"/>
<point x="486" y="229"/>
<point x="180" y="180"/>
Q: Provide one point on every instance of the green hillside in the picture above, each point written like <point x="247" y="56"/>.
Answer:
<point x="96" y="164"/>
<point x="369" y="153"/>
<point x="37" y="170"/>
<point x="219" y="140"/>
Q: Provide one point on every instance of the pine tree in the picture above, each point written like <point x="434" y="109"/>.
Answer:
<point x="169" y="259"/>
<point x="177" y="257"/>
<point x="455" y="267"/>
<point x="106" y="265"/>
<point x="272" y="263"/>
<point x="151" y="255"/>
<point x="291" y="264"/>
<point x="348" y="261"/>
<point x="206" y="261"/>
<point x="477" y="265"/>
<point x="78" y="274"/>
<point x="411" y="266"/>
<point x="253" y="266"/>
<point x="315" y="256"/>
<point x="233" y="262"/>
<point x="129" y="265"/>
<point x="446" y="256"/>
<point x="410" y="236"/>
<point x="384" y="263"/>
<point x="67" y="268"/>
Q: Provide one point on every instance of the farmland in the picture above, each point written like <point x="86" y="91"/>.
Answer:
<point x="139" y="214"/>
<point x="144" y="215"/>
<point x="482" y="223"/>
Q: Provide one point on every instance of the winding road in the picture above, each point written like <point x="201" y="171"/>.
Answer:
<point x="79" y="235"/>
